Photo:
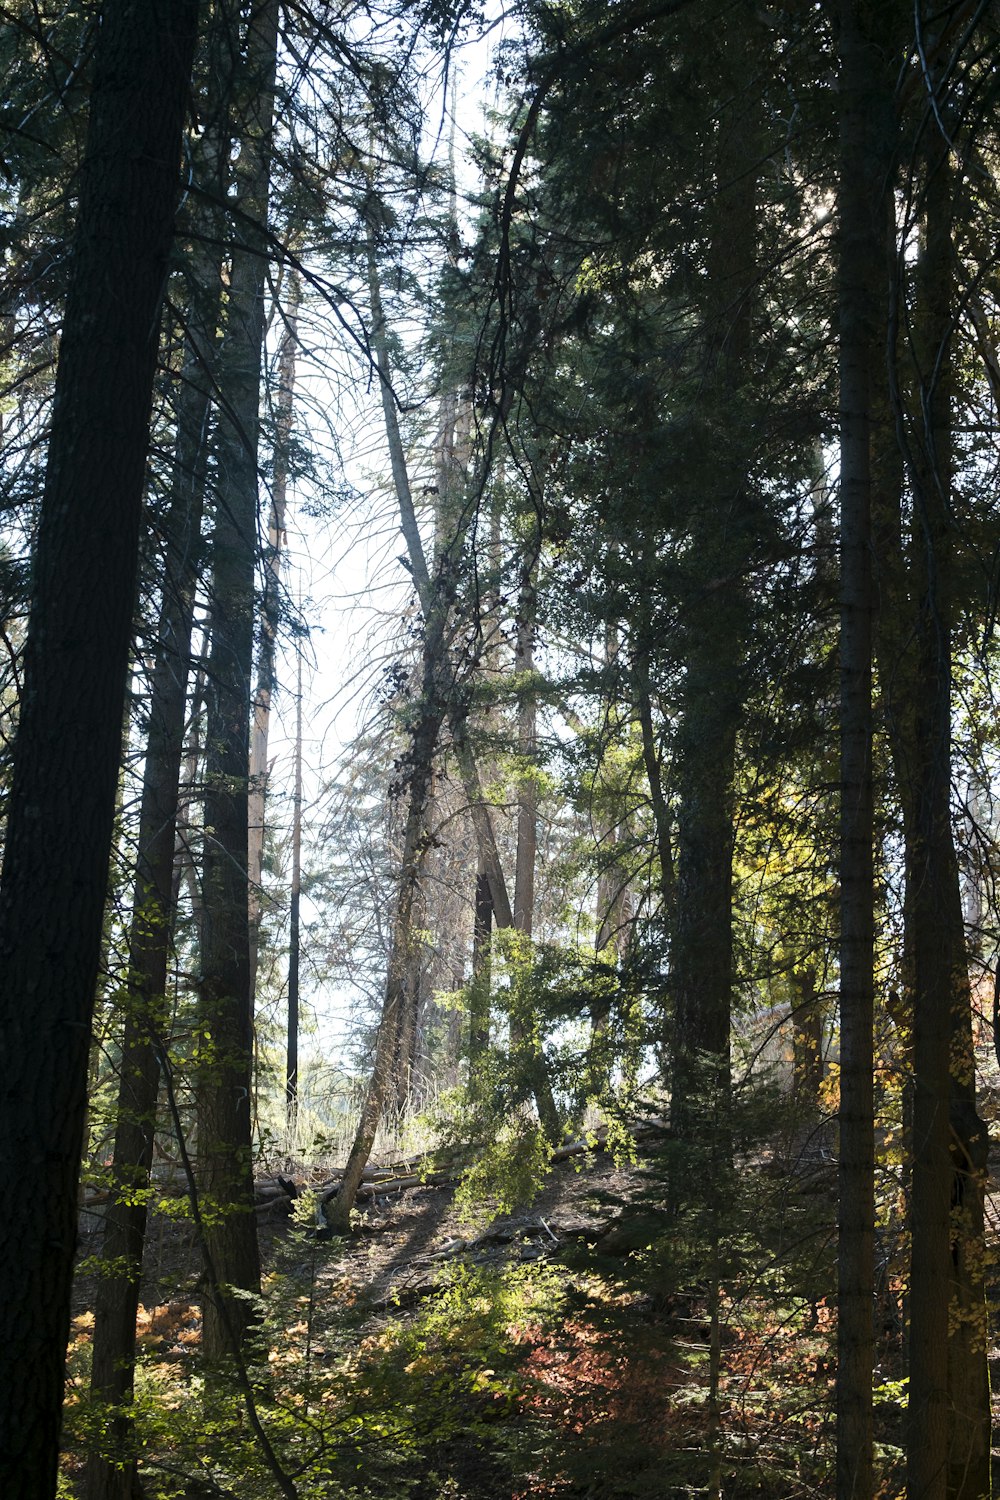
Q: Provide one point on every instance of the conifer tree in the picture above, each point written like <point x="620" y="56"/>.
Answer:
<point x="62" y="802"/>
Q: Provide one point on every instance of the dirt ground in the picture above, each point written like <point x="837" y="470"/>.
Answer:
<point x="402" y="1237"/>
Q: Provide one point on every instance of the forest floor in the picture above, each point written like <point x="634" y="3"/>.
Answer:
<point x="404" y="1239"/>
<point x="555" y="1350"/>
<point x="494" y="1336"/>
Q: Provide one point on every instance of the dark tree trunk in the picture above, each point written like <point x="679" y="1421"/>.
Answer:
<point x="715" y="623"/>
<point x="861" y="196"/>
<point x="225" y="1081"/>
<point x="69" y="741"/>
<point x="949" y="1449"/>
<point x="110" y="1474"/>
<point x="665" y="862"/>
<point x="479" y="999"/>
<point x="807" y="1033"/>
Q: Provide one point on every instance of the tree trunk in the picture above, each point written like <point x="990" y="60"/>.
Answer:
<point x="426" y="735"/>
<point x="110" y="1474"/>
<point x="404" y="960"/>
<point x="715" y="623"/>
<point x="482" y="969"/>
<point x="527" y="748"/>
<point x="807" y="1039"/>
<point x="860" y="198"/>
<point x="438" y="702"/>
<point x="294" y="935"/>
<point x="667" y="881"/>
<point x="406" y="1039"/>
<point x="67" y="755"/>
<point x="525" y="1031"/>
<point x="949" y="1381"/>
<point x="270" y="617"/>
<point x="225" y="1066"/>
<point x="611" y="905"/>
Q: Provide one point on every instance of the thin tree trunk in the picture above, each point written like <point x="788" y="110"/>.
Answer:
<point x="406" y="1040"/>
<point x="525" y="1031"/>
<point x="482" y="822"/>
<point x="431" y="594"/>
<point x="482" y="968"/>
<point x="270" y="616"/>
<point x="403" y="963"/>
<point x="651" y="763"/>
<point x="294" y="935"/>
<point x="67" y="755"/>
<point x="527" y="749"/>
<point x="437" y="703"/>
<point x="404" y="936"/>
<point x="611" y="898"/>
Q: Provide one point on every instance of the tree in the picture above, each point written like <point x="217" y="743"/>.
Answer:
<point x="225" y="1083"/>
<point x="949" y="1383"/>
<point x="865" y="100"/>
<point x="66" y="763"/>
<point x="153" y="903"/>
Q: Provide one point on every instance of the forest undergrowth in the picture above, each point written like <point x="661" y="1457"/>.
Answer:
<point x="564" y="1347"/>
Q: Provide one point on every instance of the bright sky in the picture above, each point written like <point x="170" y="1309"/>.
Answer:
<point x="345" y="571"/>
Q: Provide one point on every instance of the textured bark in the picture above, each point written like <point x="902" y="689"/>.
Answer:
<point x="860" y="206"/>
<point x="948" y="1366"/>
<point x="807" y="1038"/>
<point x="110" y="1475"/>
<point x="69" y="740"/>
<point x="714" y="628"/>
<point x="225" y="1066"/>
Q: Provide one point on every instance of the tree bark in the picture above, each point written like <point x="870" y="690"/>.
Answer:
<point x="526" y="1031"/>
<point x="807" y="1038"/>
<point x="527" y="749"/>
<point x="949" y="1380"/>
<point x="270" y="616"/>
<point x="69" y="739"/>
<point x="294" y="934"/>
<point x="715" y="622"/>
<point x="110" y="1474"/>
<point x="482" y="968"/>
<point x="861" y="192"/>
<point x="225" y="1067"/>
